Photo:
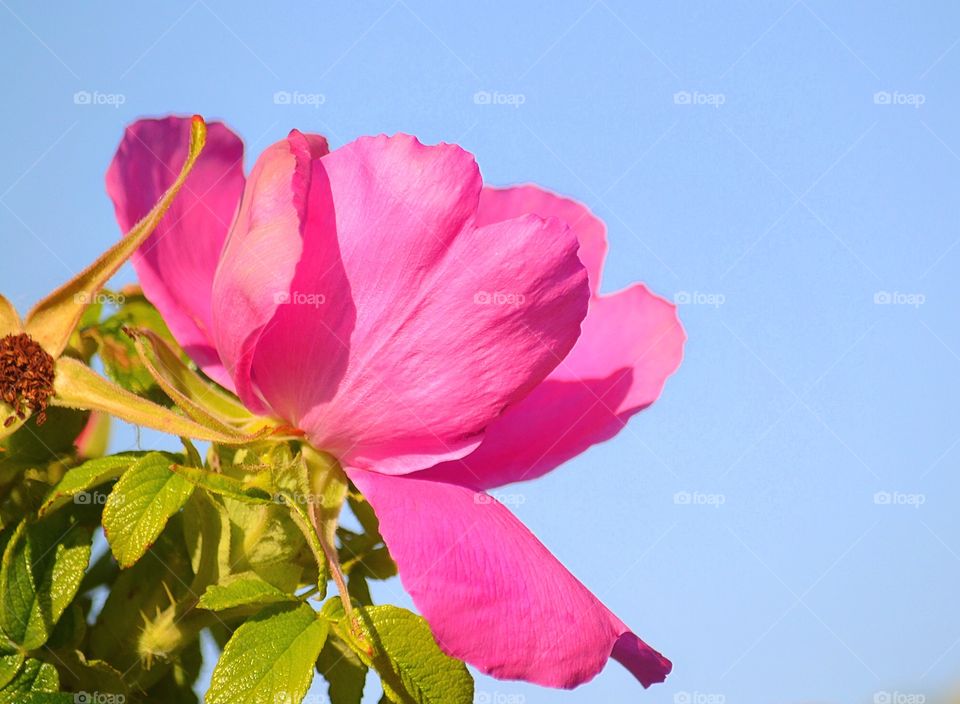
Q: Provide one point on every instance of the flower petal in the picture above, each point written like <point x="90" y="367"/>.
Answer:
<point x="499" y="204"/>
<point x="177" y="263"/>
<point x="263" y="251"/>
<point x="493" y="595"/>
<point x="421" y="327"/>
<point x="630" y="343"/>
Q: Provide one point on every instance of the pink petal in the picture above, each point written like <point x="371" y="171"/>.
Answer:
<point x="399" y="360"/>
<point x="493" y="595"/>
<point x="499" y="204"/>
<point x="177" y="263"/>
<point x="630" y="343"/>
<point x="264" y="250"/>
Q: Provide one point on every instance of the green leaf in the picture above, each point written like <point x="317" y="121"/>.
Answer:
<point x="223" y="485"/>
<point x="141" y="502"/>
<point x="269" y="658"/>
<point x="264" y="540"/>
<point x="47" y="698"/>
<point x="240" y="591"/>
<point x="77" y="482"/>
<point x="206" y="533"/>
<point x="400" y="647"/>
<point x="33" y="677"/>
<point x="344" y="671"/>
<point x="9" y="667"/>
<point x="43" y="565"/>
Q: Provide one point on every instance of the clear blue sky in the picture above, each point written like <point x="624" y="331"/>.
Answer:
<point x="777" y="193"/>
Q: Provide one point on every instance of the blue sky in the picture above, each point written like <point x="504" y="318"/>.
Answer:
<point x="788" y="170"/>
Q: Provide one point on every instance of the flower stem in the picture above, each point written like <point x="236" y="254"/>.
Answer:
<point x="333" y="562"/>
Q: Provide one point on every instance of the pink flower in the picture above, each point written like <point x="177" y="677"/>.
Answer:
<point x="426" y="331"/>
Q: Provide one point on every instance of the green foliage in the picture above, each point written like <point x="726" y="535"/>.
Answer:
<point x="242" y="543"/>
<point x="400" y="647"/>
<point x="143" y="499"/>
<point x="78" y="482"/>
<point x="242" y="590"/>
<point x="43" y="565"/>
<point x="33" y="678"/>
<point x="223" y="485"/>
<point x="270" y="658"/>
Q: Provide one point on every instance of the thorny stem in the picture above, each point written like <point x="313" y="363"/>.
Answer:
<point x="333" y="560"/>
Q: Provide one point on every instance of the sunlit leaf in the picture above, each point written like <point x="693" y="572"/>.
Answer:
<point x="78" y="481"/>
<point x="141" y="502"/>
<point x="43" y="565"/>
<point x="9" y="666"/>
<point x="270" y="658"/>
<point x="400" y="647"/>
<point x="241" y="590"/>
<point x="34" y="677"/>
<point x="224" y="485"/>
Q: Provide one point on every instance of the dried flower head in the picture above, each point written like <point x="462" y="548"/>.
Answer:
<point x="26" y="377"/>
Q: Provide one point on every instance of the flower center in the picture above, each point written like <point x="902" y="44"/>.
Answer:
<point x="26" y="377"/>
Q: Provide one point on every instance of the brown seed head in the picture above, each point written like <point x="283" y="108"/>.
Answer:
<point x="26" y="377"/>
